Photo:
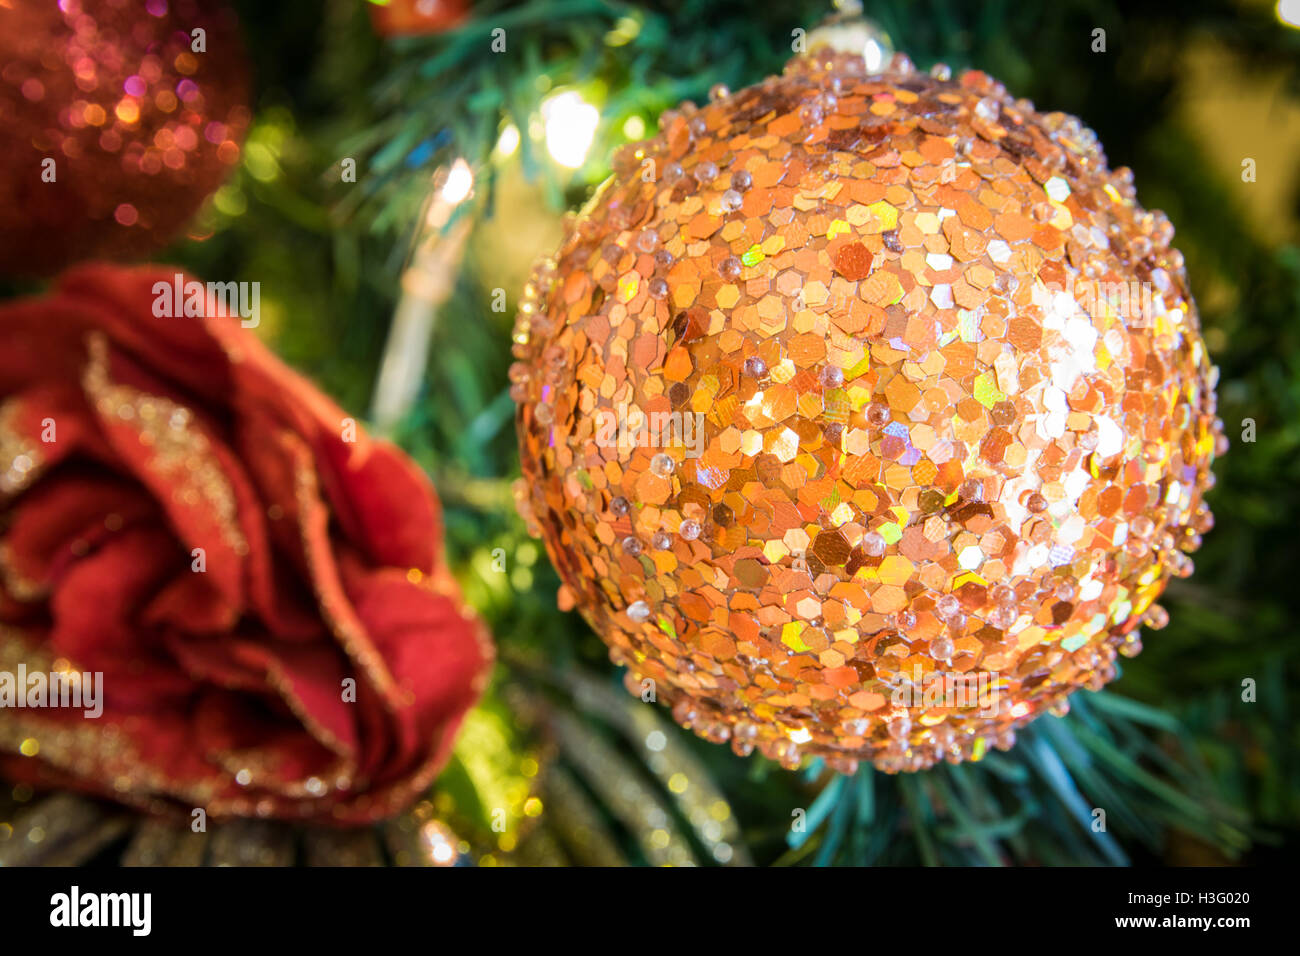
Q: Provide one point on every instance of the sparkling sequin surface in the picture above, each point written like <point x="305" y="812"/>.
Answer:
<point x="956" y="414"/>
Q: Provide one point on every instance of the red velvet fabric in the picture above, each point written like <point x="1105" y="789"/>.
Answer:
<point x="225" y="688"/>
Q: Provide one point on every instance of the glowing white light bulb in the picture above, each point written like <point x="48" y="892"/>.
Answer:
<point x="509" y="140"/>
<point x="570" y="124"/>
<point x="873" y="52"/>
<point x="460" y="180"/>
<point x="1288" y="12"/>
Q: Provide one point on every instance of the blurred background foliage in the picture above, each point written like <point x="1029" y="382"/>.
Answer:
<point x="1182" y="94"/>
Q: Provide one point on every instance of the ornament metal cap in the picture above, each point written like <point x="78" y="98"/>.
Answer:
<point x="848" y="31"/>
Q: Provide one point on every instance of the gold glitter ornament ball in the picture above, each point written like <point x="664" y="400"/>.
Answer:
<point x="866" y="415"/>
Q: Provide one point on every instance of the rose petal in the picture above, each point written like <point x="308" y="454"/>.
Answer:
<point x="180" y="459"/>
<point x="308" y="679"/>
<point x="120" y="303"/>
<point x="54" y="420"/>
<point x="94" y="627"/>
<point x="81" y="505"/>
<point x="424" y="637"/>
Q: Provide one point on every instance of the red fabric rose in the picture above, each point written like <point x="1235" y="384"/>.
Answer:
<point x="182" y="513"/>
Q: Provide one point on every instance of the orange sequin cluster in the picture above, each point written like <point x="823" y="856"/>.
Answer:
<point x="955" y="414"/>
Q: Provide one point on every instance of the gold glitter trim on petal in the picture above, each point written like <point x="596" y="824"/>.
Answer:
<point x="21" y="457"/>
<point x="313" y="519"/>
<point x="181" y="453"/>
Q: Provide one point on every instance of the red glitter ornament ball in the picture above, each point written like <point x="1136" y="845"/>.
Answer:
<point x="866" y="414"/>
<point x="117" y="119"/>
<point x="404" y="18"/>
